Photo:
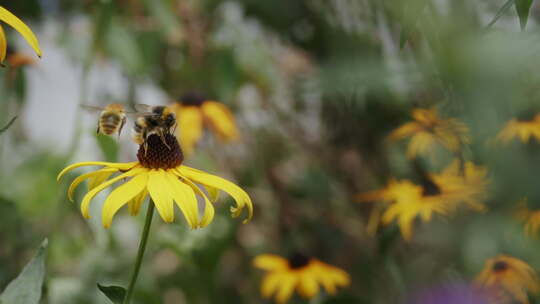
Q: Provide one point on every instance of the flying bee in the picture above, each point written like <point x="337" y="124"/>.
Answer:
<point x="111" y="119"/>
<point x="157" y="120"/>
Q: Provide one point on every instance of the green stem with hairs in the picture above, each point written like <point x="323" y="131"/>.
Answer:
<point x="140" y="252"/>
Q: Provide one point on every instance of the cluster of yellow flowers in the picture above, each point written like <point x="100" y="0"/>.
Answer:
<point x="506" y="279"/>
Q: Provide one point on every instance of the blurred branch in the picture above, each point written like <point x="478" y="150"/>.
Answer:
<point x="4" y="129"/>
<point x="501" y="12"/>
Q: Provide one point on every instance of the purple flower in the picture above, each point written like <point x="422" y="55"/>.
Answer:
<point x="452" y="293"/>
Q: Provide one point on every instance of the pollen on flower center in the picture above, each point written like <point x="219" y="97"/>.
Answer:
<point x="298" y="260"/>
<point x="500" y="266"/>
<point x="160" y="153"/>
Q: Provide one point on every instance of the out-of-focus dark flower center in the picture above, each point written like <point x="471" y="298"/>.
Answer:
<point x="526" y="116"/>
<point x="500" y="266"/>
<point x="192" y="99"/>
<point x="158" y="155"/>
<point x="429" y="188"/>
<point x="298" y="260"/>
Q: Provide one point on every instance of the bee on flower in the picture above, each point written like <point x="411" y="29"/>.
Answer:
<point x="159" y="174"/>
<point x="436" y="194"/>
<point x="524" y="128"/>
<point x="299" y="273"/>
<point x="428" y="130"/>
<point x="195" y="113"/>
<point x="508" y="280"/>
<point x="13" y="21"/>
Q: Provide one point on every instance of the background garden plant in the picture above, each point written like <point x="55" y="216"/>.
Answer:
<point x="320" y="106"/>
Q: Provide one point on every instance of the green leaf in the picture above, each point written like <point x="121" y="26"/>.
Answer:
<point x="108" y="146"/>
<point x="115" y="293"/>
<point x="523" y="7"/>
<point x="4" y="129"/>
<point x="26" y="288"/>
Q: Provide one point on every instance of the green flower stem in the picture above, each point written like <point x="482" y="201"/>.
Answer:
<point x="140" y="253"/>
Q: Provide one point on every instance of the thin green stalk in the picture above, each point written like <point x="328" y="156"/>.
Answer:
<point x="140" y="253"/>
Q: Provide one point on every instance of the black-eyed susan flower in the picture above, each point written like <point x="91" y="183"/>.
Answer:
<point x="508" y="279"/>
<point x="428" y="130"/>
<point x="195" y="112"/>
<point x="158" y="173"/>
<point x="12" y="20"/>
<point x="524" y="128"/>
<point x="529" y="217"/>
<point x="300" y="273"/>
<point x="439" y="194"/>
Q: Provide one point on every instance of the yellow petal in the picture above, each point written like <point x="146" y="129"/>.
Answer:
<point x="20" y="27"/>
<point x="270" y="262"/>
<point x="240" y="196"/>
<point x="185" y="199"/>
<point x="136" y="203"/>
<point x="190" y="127"/>
<point x="3" y="45"/>
<point x="288" y="283"/>
<point x="120" y="196"/>
<point x="270" y="284"/>
<point x="121" y="166"/>
<point x="95" y="180"/>
<point x="221" y="120"/>
<point x="90" y="195"/>
<point x="209" y="211"/>
<point x="83" y="177"/>
<point x="160" y="192"/>
<point x="307" y="286"/>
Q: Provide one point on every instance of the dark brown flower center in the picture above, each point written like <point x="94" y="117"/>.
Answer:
<point x="429" y="188"/>
<point x="298" y="260"/>
<point x="160" y="153"/>
<point x="500" y="266"/>
<point x="193" y="99"/>
<point x="526" y="116"/>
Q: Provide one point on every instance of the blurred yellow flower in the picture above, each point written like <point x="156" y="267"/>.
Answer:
<point x="428" y="130"/>
<point x="195" y="112"/>
<point x="299" y="273"/>
<point x="439" y="193"/>
<point x="7" y="17"/>
<point x="530" y="218"/>
<point x="523" y="129"/>
<point x="508" y="279"/>
<point x="160" y="174"/>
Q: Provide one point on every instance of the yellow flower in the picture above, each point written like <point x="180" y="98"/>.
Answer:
<point x="298" y="273"/>
<point x="160" y="174"/>
<point x="524" y="129"/>
<point x="20" y="27"/>
<point x="508" y="279"/>
<point x="194" y="112"/>
<point x="439" y="193"/>
<point x="428" y="129"/>
<point x="530" y="218"/>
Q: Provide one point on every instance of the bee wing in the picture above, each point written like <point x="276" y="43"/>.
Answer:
<point x="143" y="108"/>
<point x="92" y="108"/>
